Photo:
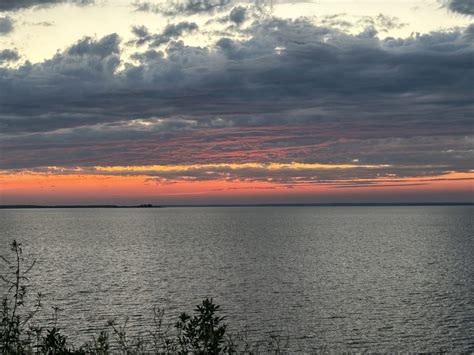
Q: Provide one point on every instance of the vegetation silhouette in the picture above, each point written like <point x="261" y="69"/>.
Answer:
<point x="203" y="332"/>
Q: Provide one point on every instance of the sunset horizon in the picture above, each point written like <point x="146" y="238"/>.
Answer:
<point x="104" y="189"/>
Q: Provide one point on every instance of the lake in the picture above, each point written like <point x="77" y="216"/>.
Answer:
<point x="336" y="278"/>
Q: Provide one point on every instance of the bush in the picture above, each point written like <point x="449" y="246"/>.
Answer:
<point x="202" y="333"/>
<point x="15" y="330"/>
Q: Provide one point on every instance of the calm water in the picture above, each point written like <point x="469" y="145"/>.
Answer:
<point x="355" y="278"/>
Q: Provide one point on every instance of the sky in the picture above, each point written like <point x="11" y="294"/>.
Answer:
<point x="232" y="101"/>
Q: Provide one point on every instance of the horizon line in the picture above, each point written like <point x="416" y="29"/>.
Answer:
<point x="329" y="204"/>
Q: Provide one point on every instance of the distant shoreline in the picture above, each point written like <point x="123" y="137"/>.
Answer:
<point x="400" y="204"/>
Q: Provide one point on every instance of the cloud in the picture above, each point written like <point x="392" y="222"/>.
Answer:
<point x="9" y="55"/>
<point x="14" y="5"/>
<point x="278" y="91"/>
<point x="146" y="6"/>
<point x="465" y="7"/>
<point x="88" y="47"/>
<point x="171" y="31"/>
<point x="42" y="24"/>
<point x="469" y="32"/>
<point x="289" y="175"/>
<point x="238" y="15"/>
<point x="184" y="7"/>
<point x="6" y="25"/>
<point x="381" y="22"/>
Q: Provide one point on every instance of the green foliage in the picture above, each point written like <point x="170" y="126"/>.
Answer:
<point x="204" y="332"/>
<point x="54" y="342"/>
<point x="101" y="344"/>
<point x="15" y="317"/>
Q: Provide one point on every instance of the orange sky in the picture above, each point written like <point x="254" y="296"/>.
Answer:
<point x="48" y="188"/>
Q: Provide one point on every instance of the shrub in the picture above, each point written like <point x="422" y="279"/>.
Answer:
<point x="204" y="332"/>
<point x="15" y="336"/>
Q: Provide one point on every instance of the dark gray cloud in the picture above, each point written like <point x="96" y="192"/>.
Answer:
<point x="289" y="91"/>
<point x="238" y="15"/>
<point x="88" y="47"/>
<point x="171" y="31"/>
<point x="381" y="22"/>
<point x="6" y="25"/>
<point x="146" y="6"/>
<point x="465" y="7"/>
<point x="14" y="5"/>
<point x="184" y="7"/>
<point x="192" y="7"/>
<point x="9" y="55"/>
<point x="469" y="32"/>
<point x="140" y="31"/>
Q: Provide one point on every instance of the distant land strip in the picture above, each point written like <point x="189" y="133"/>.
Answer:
<point x="394" y="204"/>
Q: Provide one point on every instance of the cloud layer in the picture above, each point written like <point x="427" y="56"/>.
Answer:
<point x="14" y="5"/>
<point x="184" y="7"/>
<point x="465" y="7"/>
<point x="272" y="91"/>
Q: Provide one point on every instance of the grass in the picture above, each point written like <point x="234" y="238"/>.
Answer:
<point x="205" y="331"/>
